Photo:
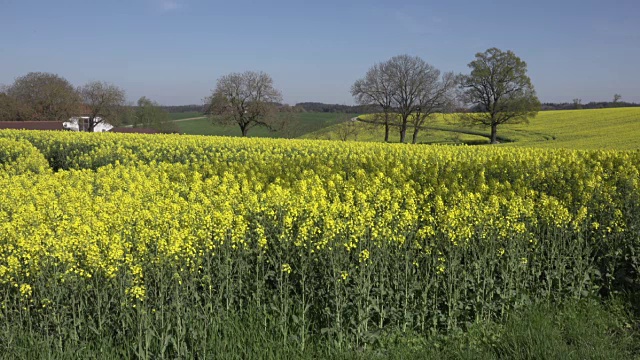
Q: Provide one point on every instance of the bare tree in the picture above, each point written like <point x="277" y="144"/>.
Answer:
<point x="437" y="96"/>
<point x="347" y="128"/>
<point x="247" y="99"/>
<point x="41" y="96"/>
<point x="376" y="88"/>
<point x="411" y="77"/>
<point x="499" y="85"/>
<point x="616" y="98"/>
<point x="104" y="102"/>
<point x="577" y="103"/>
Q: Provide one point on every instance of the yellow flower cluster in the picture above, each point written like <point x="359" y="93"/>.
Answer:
<point x="122" y="204"/>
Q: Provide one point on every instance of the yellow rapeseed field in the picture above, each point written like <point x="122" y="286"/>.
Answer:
<point x="313" y="237"/>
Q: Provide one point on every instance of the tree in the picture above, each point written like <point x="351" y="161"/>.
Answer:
<point x="12" y="110"/>
<point x="247" y="99"/>
<point x="499" y="84"/>
<point x="41" y="96"/>
<point x="104" y="102"/>
<point x="437" y="95"/>
<point x="376" y="88"/>
<point x="577" y="103"/>
<point x="410" y="78"/>
<point x="348" y="127"/>
<point x="616" y="98"/>
<point x="149" y="114"/>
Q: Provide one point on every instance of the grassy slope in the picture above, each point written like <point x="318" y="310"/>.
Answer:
<point x="301" y="124"/>
<point x="184" y="115"/>
<point x="617" y="128"/>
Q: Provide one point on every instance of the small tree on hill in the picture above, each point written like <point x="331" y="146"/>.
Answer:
<point x="499" y="84"/>
<point x="246" y="99"/>
<point x="616" y="98"/>
<point x="149" y="114"/>
<point x="577" y="103"/>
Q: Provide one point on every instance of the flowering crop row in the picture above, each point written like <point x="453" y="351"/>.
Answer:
<point x="316" y="239"/>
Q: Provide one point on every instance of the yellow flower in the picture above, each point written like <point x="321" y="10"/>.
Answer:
<point x="286" y="268"/>
<point x="25" y="290"/>
<point x="364" y="255"/>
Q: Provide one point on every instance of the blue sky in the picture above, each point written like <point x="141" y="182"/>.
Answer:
<point x="172" y="51"/>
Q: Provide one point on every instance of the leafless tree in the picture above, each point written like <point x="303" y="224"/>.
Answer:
<point x="247" y="99"/>
<point x="41" y="96"/>
<point x="104" y="102"/>
<point x="616" y="98"/>
<point x="411" y="78"/>
<point x="376" y="88"/>
<point x="437" y="96"/>
<point x="577" y="103"/>
<point x="348" y="128"/>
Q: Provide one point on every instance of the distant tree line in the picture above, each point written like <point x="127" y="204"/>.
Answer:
<point x="577" y="104"/>
<point x="336" y="108"/>
<point x="183" y="108"/>
<point x="40" y="96"/>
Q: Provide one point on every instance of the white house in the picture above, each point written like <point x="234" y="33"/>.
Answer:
<point x="81" y="123"/>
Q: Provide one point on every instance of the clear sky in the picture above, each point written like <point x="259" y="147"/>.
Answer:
<point x="172" y="51"/>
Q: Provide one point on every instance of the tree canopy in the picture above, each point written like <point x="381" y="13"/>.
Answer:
<point x="247" y="99"/>
<point x="39" y="96"/>
<point x="499" y="86"/>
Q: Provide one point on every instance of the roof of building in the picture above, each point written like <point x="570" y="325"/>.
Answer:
<point x="32" y="125"/>
<point x="132" y="130"/>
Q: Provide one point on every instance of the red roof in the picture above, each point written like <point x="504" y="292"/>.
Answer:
<point x="32" y="125"/>
<point x="132" y="130"/>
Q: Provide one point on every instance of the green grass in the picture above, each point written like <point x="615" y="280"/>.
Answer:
<point x="184" y="115"/>
<point x="617" y="128"/>
<point x="302" y="123"/>
<point x="575" y="330"/>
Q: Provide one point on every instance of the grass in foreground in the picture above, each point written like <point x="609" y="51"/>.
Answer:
<point x="575" y="330"/>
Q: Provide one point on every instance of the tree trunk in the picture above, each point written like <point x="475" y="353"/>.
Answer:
<point x="244" y="129"/>
<point x="415" y="134"/>
<point x="386" y="131"/>
<point x="403" y="131"/>
<point x="494" y="133"/>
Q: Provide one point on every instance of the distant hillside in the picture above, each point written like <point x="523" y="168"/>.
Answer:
<point x="335" y="108"/>
<point x="183" y="108"/>
<point x="613" y="128"/>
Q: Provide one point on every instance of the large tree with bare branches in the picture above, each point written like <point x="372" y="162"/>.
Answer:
<point x="377" y="89"/>
<point x="499" y="86"/>
<point x="408" y="90"/>
<point x="246" y="99"/>
<point x="437" y="96"/>
<point x="104" y="102"/>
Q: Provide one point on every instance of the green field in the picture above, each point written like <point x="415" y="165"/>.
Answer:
<point x="302" y="123"/>
<point x="184" y="115"/>
<point x="617" y="128"/>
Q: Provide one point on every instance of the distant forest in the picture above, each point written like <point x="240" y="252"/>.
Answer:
<point x="576" y="104"/>
<point x="305" y="106"/>
<point x="360" y="109"/>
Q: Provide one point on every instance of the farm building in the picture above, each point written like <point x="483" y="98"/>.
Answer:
<point x="59" y="125"/>
<point x="81" y="123"/>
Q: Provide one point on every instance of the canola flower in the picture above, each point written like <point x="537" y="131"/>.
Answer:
<point x="372" y="226"/>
